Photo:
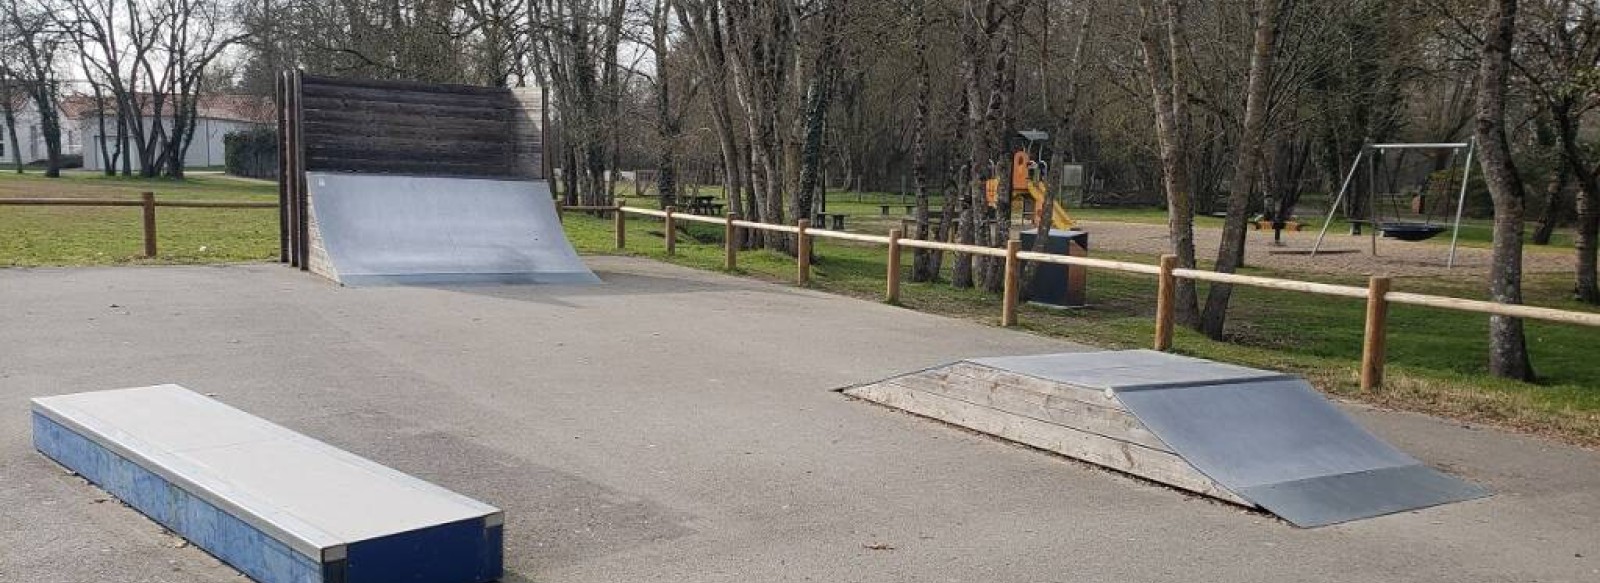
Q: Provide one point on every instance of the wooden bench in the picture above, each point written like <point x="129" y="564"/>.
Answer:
<point x="276" y="505"/>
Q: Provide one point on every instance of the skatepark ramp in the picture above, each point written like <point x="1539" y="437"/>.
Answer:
<point x="1251" y="437"/>
<point x="388" y="182"/>
<point x="278" y="506"/>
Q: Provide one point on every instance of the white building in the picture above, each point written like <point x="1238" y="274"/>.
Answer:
<point x="30" y="138"/>
<point x="217" y="116"/>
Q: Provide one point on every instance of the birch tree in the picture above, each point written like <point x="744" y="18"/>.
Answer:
<point x="1162" y="42"/>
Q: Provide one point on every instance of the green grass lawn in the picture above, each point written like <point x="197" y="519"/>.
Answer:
<point x="1436" y="359"/>
<point x="61" y="235"/>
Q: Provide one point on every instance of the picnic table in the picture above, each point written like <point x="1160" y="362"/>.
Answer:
<point x="704" y="205"/>
<point x="822" y="219"/>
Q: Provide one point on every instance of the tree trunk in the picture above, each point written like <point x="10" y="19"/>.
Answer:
<point x="1508" y="349"/>
<point x="818" y="97"/>
<point x="1587" y="240"/>
<point x="971" y="189"/>
<point x="1004" y="125"/>
<point x="1170" y="96"/>
<point x="9" y="116"/>
<point x="1587" y="288"/>
<point x="1554" y="204"/>
<point x="1247" y="170"/>
<point x="923" y="267"/>
<point x="666" y="122"/>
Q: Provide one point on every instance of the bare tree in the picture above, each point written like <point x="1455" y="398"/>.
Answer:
<point x="925" y="264"/>
<point x="1162" y="39"/>
<point x="981" y="24"/>
<point x="760" y="50"/>
<point x="1508" y="349"/>
<point x="196" y="36"/>
<point x="1266" y="15"/>
<point x="702" y="26"/>
<point x="817" y="98"/>
<point x="668" y="123"/>
<point x="1565" y="40"/>
<point x="36" y="40"/>
<point x="9" y="94"/>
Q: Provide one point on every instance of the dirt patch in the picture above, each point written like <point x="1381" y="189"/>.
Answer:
<point x="1395" y="258"/>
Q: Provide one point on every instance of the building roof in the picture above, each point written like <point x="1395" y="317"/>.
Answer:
<point x="247" y="108"/>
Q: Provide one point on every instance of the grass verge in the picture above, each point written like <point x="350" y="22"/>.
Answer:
<point x="61" y="235"/>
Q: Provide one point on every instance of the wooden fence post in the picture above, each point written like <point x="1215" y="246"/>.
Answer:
<point x="730" y="234"/>
<point x="1166" y="287"/>
<point x="1008" y="306"/>
<point x="149" y="200"/>
<point x="803" y="252"/>
<point x="892" y="293"/>
<point x="672" y="232"/>
<point x="622" y="228"/>
<point x="1374" y="343"/>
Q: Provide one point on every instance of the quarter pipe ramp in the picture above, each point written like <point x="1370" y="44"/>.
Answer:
<point x="370" y="229"/>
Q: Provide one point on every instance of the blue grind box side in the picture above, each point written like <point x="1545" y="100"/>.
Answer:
<point x="428" y="555"/>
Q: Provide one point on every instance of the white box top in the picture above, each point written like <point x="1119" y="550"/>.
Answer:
<point x="310" y="495"/>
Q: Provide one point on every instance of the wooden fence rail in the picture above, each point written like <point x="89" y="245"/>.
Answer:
<point x="148" y="202"/>
<point x="1377" y="294"/>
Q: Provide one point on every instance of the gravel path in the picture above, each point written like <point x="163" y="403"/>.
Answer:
<point x="1395" y="258"/>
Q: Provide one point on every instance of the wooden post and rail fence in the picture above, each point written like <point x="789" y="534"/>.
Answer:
<point x="147" y="202"/>
<point x="1377" y="293"/>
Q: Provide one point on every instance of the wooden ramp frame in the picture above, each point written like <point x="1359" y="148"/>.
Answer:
<point x="1251" y="437"/>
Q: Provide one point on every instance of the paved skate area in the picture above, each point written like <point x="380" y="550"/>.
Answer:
<point x="678" y="425"/>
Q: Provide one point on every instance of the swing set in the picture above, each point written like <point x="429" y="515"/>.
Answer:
<point x="1420" y="226"/>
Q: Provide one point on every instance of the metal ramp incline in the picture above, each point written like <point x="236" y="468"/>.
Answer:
<point x="370" y="229"/>
<point x="1247" y="436"/>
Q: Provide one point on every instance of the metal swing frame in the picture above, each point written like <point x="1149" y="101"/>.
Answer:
<point x="1461" y="199"/>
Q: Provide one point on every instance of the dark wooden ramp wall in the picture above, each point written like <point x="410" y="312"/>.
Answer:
<point x="394" y="127"/>
<point x="328" y="124"/>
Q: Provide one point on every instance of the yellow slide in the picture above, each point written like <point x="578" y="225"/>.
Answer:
<point x="1059" y="219"/>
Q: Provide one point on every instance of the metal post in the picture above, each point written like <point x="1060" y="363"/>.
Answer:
<point x="1333" y="208"/>
<point x="1461" y="203"/>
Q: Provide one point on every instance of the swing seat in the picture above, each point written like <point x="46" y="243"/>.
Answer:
<point x="1410" y="231"/>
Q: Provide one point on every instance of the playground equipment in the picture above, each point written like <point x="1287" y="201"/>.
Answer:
<point x="1251" y="437"/>
<point x="1396" y="226"/>
<point x="388" y="182"/>
<point x="1028" y="183"/>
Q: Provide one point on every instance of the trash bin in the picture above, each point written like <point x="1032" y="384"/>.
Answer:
<point x="1055" y="284"/>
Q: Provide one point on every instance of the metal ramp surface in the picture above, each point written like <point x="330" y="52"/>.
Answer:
<point x="371" y="229"/>
<point x="1248" y="436"/>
